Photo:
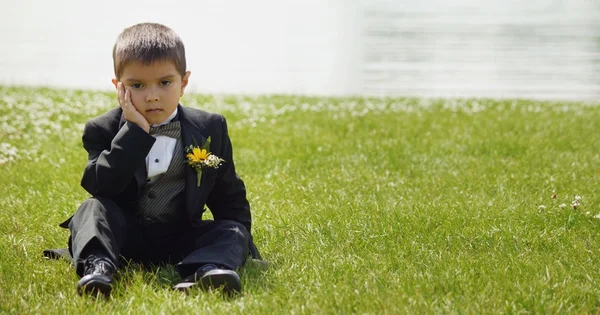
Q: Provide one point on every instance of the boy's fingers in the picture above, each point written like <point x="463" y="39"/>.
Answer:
<point x="123" y="98"/>
<point x="120" y="94"/>
<point x="128" y="98"/>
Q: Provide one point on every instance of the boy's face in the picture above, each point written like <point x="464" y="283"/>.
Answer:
<point x="155" y="89"/>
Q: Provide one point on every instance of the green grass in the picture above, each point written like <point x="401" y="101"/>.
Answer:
<point x="360" y="206"/>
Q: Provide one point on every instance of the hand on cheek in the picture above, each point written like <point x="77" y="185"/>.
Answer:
<point x="129" y="110"/>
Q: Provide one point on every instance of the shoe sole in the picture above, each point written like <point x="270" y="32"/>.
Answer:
<point x="227" y="280"/>
<point x="94" y="284"/>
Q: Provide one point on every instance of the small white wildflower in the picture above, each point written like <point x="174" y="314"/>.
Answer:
<point x="542" y="208"/>
<point x="562" y="206"/>
<point x="213" y="161"/>
<point x="577" y="198"/>
<point x="597" y="216"/>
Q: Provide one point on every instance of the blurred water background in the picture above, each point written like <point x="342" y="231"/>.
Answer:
<point x="542" y="49"/>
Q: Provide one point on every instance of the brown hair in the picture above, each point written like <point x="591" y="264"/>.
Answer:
<point x="147" y="43"/>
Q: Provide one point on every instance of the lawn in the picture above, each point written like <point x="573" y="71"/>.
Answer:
<point x="360" y="205"/>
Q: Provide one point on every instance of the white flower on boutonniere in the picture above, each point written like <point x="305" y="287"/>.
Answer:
<point x="199" y="158"/>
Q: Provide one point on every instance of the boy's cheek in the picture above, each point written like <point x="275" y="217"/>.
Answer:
<point x="135" y="100"/>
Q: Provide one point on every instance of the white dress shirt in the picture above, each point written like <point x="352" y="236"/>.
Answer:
<point x="159" y="157"/>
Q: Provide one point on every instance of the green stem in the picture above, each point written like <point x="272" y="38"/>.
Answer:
<point x="198" y="177"/>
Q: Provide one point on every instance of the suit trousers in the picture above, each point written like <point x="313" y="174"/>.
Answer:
<point x="101" y="225"/>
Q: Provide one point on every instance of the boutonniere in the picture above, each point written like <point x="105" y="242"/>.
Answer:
<point x="199" y="158"/>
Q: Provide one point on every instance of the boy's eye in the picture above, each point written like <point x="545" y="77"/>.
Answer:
<point x="136" y="85"/>
<point x="165" y="82"/>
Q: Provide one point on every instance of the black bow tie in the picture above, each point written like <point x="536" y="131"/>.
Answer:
<point x="172" y="129"/>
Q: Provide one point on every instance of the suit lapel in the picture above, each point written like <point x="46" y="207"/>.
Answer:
<point x="191" y="134"/>
<point x="141" y="173"/>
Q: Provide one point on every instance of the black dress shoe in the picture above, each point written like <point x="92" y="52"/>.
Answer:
<point x="97" y="276"/>
<point x="212" y="277"/>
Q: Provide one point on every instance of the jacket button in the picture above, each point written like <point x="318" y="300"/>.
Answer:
<point x="151" y="195"/>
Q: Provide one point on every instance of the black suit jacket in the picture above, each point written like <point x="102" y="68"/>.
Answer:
<point x="116" y="166"/>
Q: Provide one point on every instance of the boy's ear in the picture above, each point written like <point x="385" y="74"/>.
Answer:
<point x="184" y="82"/>
<point x="114" y="81"/>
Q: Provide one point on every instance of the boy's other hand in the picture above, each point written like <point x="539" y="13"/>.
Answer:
<point x="130" y="112"/>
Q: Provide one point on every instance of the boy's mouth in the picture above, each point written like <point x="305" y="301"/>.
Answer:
<point x="153" y="110"/>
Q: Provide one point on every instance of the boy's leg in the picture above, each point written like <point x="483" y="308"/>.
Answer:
<point x="217" y="249"/>
<point x="100" y="230"/>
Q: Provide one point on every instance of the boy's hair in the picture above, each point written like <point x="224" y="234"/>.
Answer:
<point x="147" y="43"/>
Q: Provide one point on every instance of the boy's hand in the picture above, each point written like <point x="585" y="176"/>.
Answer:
<point x="130" y="112"/>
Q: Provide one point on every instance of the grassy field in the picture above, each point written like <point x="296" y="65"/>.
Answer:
<point x="360" y="206"/>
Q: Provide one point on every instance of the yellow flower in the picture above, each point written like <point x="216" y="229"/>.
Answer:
<point x="198" y="155"/>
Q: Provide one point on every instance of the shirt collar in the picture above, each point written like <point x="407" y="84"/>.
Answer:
<point x="168" y="120"/>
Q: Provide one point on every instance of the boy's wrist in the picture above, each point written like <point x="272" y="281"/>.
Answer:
<point x="145" y="127"/>
<point x="142" y="124"/>
<point x="131" y="124"/>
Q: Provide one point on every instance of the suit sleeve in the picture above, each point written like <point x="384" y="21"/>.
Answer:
<point x="227" y="200"/>
<point x="112" y="163"/>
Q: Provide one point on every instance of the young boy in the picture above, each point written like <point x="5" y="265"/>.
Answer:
<point x="147" y="198"/>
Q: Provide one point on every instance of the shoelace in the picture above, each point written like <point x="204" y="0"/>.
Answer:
<point x="94" y="265"/>
<point x="89" y="265"/>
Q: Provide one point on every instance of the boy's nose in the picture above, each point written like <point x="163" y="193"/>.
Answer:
<point x="152" y="97"/>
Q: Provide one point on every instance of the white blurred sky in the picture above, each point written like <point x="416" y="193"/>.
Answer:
<point x="235" y="46"/>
